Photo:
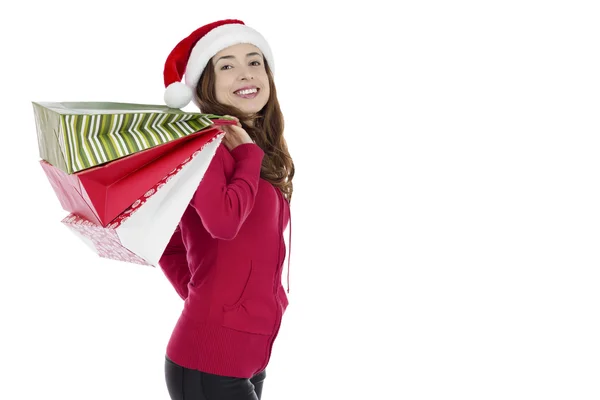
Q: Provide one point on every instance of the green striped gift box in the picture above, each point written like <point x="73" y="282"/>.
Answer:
<point x="75" y="136"/>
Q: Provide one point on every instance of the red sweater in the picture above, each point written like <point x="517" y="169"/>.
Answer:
<point x="225" y="260"/>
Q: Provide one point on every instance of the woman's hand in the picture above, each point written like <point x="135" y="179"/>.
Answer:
<point x="235" y="135"/>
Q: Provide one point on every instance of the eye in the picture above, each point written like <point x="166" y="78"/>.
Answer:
<point x="255" y="63"/>
<point x="225" y="66"/>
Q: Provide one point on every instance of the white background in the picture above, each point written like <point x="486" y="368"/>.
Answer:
<point x="445" y="214"/>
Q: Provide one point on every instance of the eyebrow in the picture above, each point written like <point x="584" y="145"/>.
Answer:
<point x="247" y="55"/>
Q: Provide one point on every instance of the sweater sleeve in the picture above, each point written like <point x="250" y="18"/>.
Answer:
<point x="223" y="205"/>
<point x="174" y="264"/>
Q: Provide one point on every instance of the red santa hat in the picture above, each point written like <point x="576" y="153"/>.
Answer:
<point x="189" y="58"/>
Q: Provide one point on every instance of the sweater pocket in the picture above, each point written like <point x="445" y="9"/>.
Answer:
<point x="256" y="309"/>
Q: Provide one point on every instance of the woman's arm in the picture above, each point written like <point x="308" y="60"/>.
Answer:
<point x="224" y="205"/>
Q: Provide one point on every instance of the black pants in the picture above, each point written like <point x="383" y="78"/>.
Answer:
<point x="190" y="384"/>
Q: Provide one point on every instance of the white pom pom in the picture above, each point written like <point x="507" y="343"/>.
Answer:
<point x="178" y="95"/>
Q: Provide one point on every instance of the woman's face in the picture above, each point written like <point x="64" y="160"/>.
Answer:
<point x="241" y="78"/>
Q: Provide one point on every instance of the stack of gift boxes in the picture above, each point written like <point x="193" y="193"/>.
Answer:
<point x="125" y="173"/>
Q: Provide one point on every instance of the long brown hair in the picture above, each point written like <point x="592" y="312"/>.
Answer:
<point x="267" y="130"/>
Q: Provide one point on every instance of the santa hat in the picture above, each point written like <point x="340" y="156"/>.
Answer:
<point x="189" y="58"/>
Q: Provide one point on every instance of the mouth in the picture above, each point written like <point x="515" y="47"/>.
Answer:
<point x="247" y="92"/>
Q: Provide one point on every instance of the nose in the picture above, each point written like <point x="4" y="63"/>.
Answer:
<point x="246" y="74"/>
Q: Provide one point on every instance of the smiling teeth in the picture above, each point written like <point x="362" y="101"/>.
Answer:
<point x="247" y="91"/>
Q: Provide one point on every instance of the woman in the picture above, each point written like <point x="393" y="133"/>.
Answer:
<point x="225" y="258"/>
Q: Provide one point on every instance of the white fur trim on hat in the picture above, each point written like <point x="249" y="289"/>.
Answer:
<point x="218" y="39"/>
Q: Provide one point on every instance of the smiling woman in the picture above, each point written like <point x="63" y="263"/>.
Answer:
<point x="225" y="259"/>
